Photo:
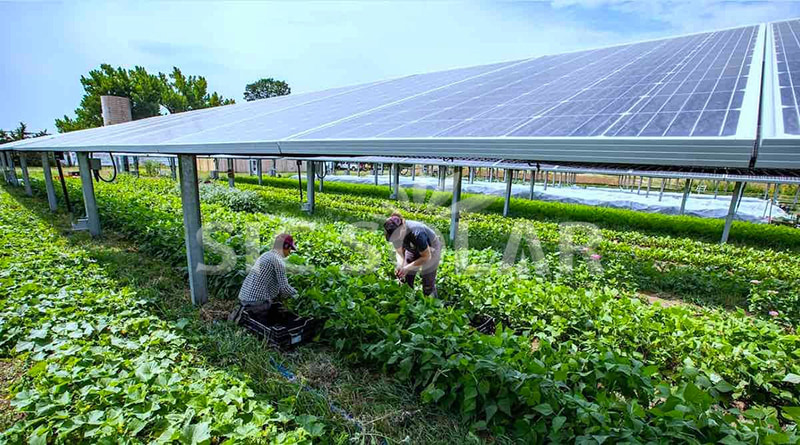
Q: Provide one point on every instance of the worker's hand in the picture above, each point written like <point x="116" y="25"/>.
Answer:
<point x="402" y="272"/>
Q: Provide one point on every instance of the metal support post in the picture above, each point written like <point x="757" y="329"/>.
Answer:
<point x="310" y="174"/>
<point x="173" y="169"/>
<point x="649" y="184"/>
<point x="507" y="202"/>
<point x="92" y="216"/>
<point x="471" y="175"/>
<point x="716" y="188"/>
<point x="3" y="166"/>
<point x="491" y="175"/>
<point x="260" y="171"/>
<point x="796" y="197"/>
<point x="375" y="171"/>
<point x="12" y="170"/>
<point x="413" y="173"/>
<point x="766" y="191"/>
<point x="735" y="198"/>
<point x="395" y="182"/>
<point x="686" y="190"/>
<point x="773" y="201"/>
<point x="125" y="165"/>
<point x="231" y="174"/>
<point x="193" y="228"/>
<point x="546" y="179"/>
<point x="23" y="163"/>
<point x="533" y="184"/>
<point x="454" y="214"/>
<point x="136" y="166"/>
<point x="274" y="170"/>
<point x="442" y="176"/>
<point x="48" y="182"/>
<point x="639" y="189"/>
<point x="661" y="193"/>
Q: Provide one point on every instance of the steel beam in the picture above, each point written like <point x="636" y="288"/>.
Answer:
<point x="735" y="198"/>
<point x="48" y="182"/>
<point x="89" y="201"/>
<point x="310" y="176"/>
<point x="260" y="171"/>
<point x="454" y="213"/>
<point x="231" y="174"/>
<point x="507" y="203"/>
<point x="686" y="190"/>
<point x="23" y="163"/>
<point x="193" y="228"/>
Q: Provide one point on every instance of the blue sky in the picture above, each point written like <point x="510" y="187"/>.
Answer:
<point x="46" y="47"/>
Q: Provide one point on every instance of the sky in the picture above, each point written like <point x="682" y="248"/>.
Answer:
<point x="46" y="46"/>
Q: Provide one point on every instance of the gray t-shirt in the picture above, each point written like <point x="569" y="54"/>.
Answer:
<point x="418" y="238"/>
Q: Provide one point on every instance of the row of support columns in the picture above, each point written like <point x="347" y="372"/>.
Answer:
<point x="188" y="178"/>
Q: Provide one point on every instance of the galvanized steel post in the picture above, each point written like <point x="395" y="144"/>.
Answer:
<point x="193" y="228"/>
<point x="454" y="214"/>
<point x="737" y="192"/>
<point x="533" y="184"/>
<point x="395" y="181"/>
<point x="507" y="203"/>
<point x="12" y="171"/>
<point x="23" y="163"/>
<point x="686" y="191"/>
<point x="796" y="197"/>
<point x="136" y="165"/>
<point x="173" y="173"/>
<point x="260" y="171"/>
<point x="92" y="216"/>
<point x="471" y="175"/>
<point x="375" y="172"/>
<point x="3" y="166"/>
<point x="661" y="193"/>
<point x="310" y="175"/>
<point x="48" y="182"/>
<point x="231" y="174"/>
<point x="649" y="184"/>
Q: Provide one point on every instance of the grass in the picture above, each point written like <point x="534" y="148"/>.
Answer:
<point x="386" y="408"/>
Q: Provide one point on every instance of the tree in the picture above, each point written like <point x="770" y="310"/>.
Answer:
<point x="147" y="93"/>
<point x="19" y="134"/>
<point x="264" y="88"/>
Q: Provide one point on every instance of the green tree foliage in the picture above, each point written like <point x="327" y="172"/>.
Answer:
<point x="19" y="133"/>
<point x="264" y="88"/>
<point x="147" y="92"/>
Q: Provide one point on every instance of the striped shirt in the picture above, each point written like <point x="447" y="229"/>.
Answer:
<point x="266" y="281"/>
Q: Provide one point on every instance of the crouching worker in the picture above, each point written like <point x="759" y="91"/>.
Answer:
<point x="266" y="283"/>
<point x="418" y="250"/>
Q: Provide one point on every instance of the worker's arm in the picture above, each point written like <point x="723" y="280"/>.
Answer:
<point x="400" y="254"/>
<point x="284" y="288"/>
<point x="424" y="256"/>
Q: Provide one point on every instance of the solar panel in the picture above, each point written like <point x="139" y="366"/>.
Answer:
<point x="786" y="37"/>
<point x="686" y="86"/>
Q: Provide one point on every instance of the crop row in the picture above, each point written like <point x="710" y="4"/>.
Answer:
<point x="103" y="369"/>
<point x="582" y="378"/>
<point x="763" y="281"/>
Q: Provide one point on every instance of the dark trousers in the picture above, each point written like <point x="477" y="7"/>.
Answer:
<point x="427" y="272"/>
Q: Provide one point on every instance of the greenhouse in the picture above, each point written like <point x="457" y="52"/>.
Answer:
<point x="561" y="313"/>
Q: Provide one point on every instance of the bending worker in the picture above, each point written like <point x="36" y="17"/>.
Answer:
<point x="418" y="251"/>
<point x="267" y="281"/>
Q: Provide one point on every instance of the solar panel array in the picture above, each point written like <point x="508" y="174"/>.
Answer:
<point x="686" y="86"/>
<point x="689" y="100"/>
<point x="786" y="38"/>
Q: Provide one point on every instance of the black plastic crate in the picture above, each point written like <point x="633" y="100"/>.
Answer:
<point x="484" y="324"/>
<point x="282" y="328"/>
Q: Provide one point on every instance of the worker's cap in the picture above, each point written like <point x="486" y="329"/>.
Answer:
<point x="391" y="224"/>
<point x="285" y="241"/>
